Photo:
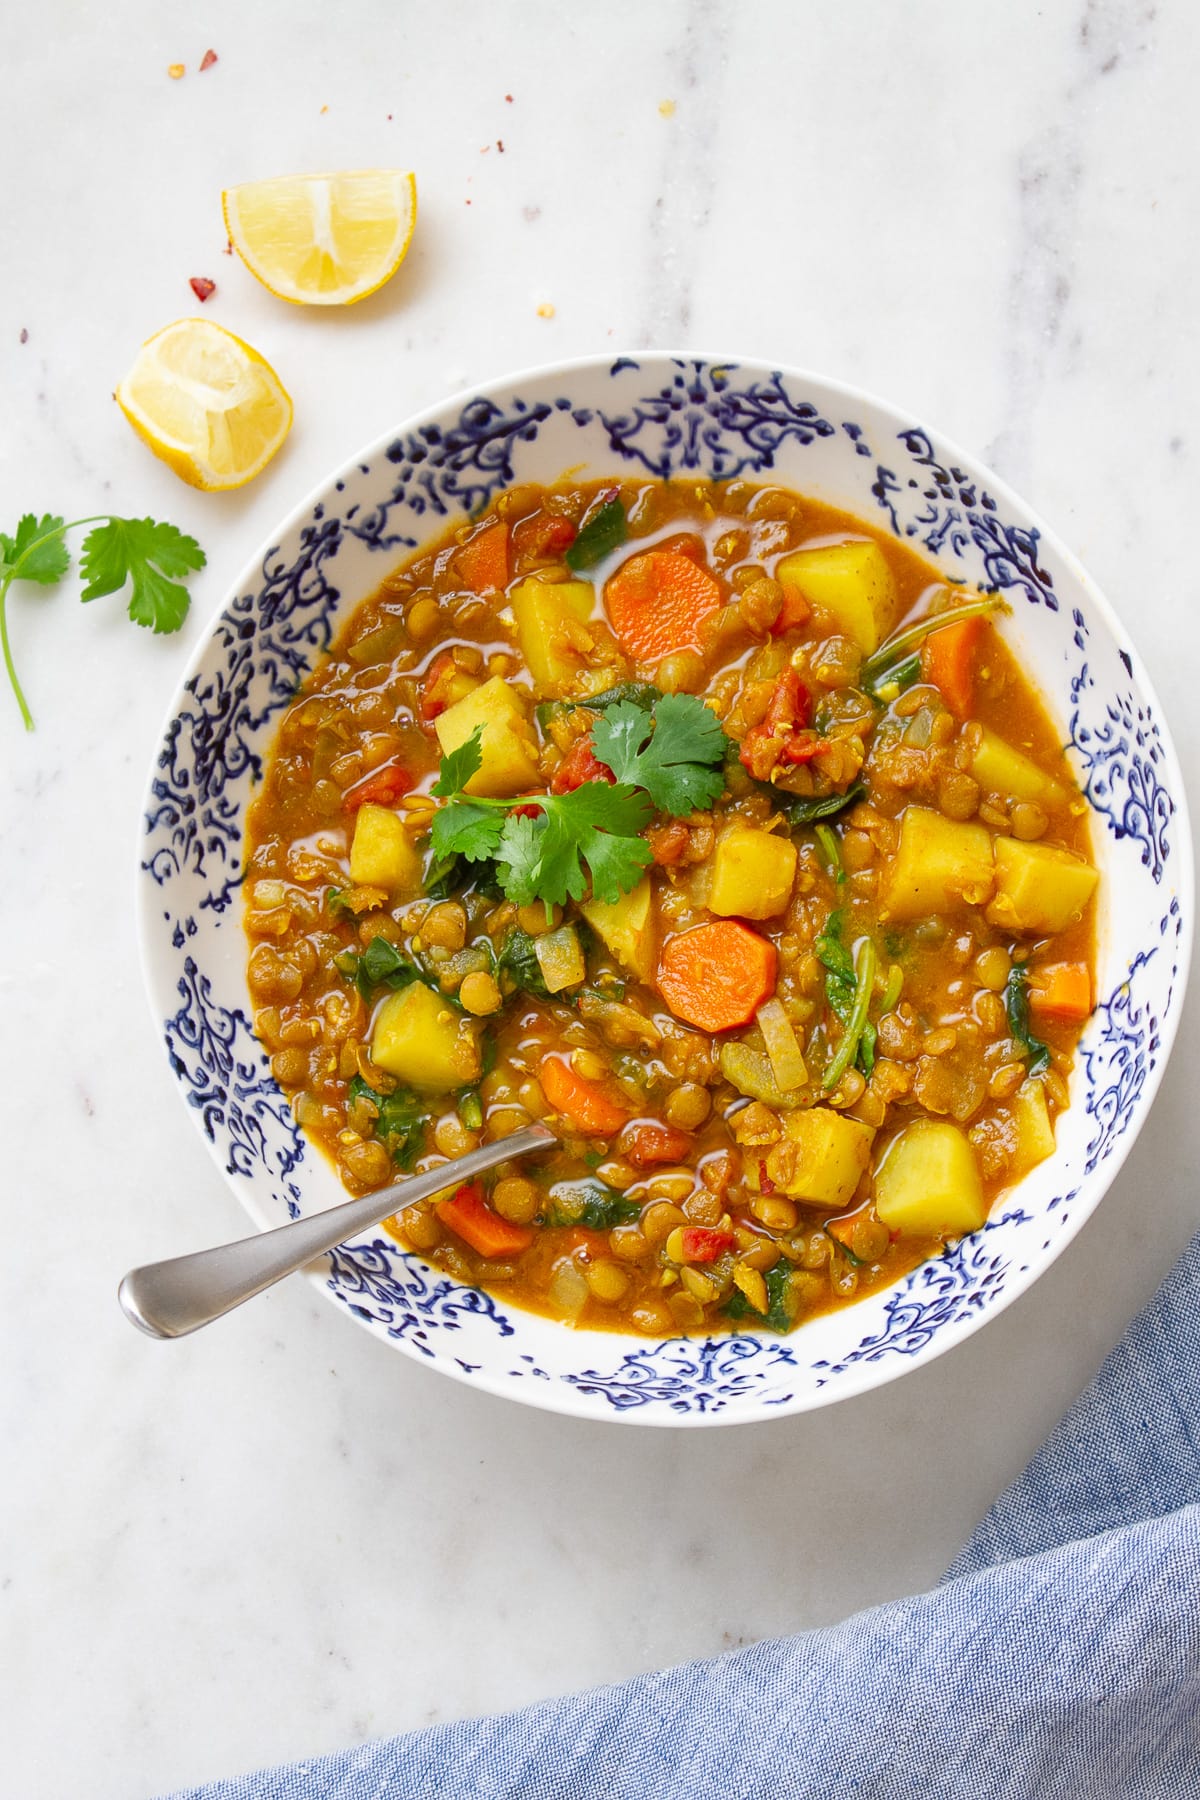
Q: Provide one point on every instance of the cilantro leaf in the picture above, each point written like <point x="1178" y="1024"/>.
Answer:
<point x="40" y="543"/>
<point x="139" y="551"/>
<point x="145" y="554"/>
<point x="596" y="825"/>
<point x="670" y="752"/>
<point x="465" y="828"/>
<point x="459" y="765"/>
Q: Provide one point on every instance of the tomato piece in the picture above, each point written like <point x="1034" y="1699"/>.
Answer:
<point x="580" y="764"/>
<point x="645" y="1145"/>
<point x="704" y="1243"/>
<point x="382" y="787"/>
<point x="434" y="695"/>
<point x="543" y="534"/>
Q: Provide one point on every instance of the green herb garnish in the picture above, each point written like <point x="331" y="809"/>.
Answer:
<point x="674" y="752"/>
<point x="589" y="1202"/>
<point x="142" y="553"/>
<point x="337" y="903"/>
<point x="604" y="532"/>
<point x="781" y="1308"/>
<point x="1016" y="1005"/>
<point x="400" y="1122"/>
<point x="549" y="846"/>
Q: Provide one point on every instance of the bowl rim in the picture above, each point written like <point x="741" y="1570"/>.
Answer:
<point x="559" y="1397"/>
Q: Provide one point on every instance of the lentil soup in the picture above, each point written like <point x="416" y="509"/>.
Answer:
<point x="754" y="866"/>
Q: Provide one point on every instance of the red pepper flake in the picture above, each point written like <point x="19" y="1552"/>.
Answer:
<point x="508" y="97"/>
<point x="201" y="286"/>
<point x="207" y="60"/>
<point x="24" y="335"/>
<point x="500" y="145"/>
<point x="228" y="250"/>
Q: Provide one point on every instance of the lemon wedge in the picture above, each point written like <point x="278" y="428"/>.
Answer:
<point x="323" y="240"/>
<point x="205" y="402"/>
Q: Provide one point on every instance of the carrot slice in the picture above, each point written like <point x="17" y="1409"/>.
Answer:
<point x="470" y="1217"/>
<point x="1061" y="991"/>
<point x="587" y="1106"/>
<point x="717" y="976"/>
<point x="948" y="663"/>
<point x="483" y="560"/>
<point x="658" y="601"/>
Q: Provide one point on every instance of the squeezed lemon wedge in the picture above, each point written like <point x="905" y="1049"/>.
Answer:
<point x="323" y="240"/>
<point x="205" y="402"/>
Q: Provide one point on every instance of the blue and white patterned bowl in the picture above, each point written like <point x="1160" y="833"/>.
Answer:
<point x="663" y="416"/>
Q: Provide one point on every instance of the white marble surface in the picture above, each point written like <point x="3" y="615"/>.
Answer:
<point x="277" y="1538"/>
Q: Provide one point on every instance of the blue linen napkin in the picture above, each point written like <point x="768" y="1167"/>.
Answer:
<point x="1059" y="1657"/>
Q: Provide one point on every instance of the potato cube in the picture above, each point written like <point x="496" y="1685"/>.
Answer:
<point x="381" y="853"/>
<point x="928" y="1182"/>
<point x="1039" y="888"/>
<point x="939" y="865"/>
<point x="627" y="927"/>
<point x="752" y="873"/>
<point x="851" y="582"/>
<point x="1001" y="769"/>
<point x="425" y="1041"/>
<point x="544" y="611"/>
<point x="509" y="748"/>
<point x="1035" y="1133"/>
<point x="822" y="1157"/>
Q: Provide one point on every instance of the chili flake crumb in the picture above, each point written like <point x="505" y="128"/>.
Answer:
<point x="175" y="70"/>
<point x="508" y="97"/>
<point x="228" y="250"/>
<point x="545" y="310"/>
<point x="24" y="335"/>
<point x="500" y="145"/>
<point x="207" y="60"/>
<point x="201" y="286"/>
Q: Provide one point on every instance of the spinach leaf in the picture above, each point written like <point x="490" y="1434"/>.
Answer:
<point x="401" y="1121"/>
<point x="519" y="959"/>
<point x="455" y="875"/>
<point x="806" y="809"/>
<point x="604" y="532"/>
<point x="780" y="1302"/>
<point x="641" y="693"/>
<point x="589" y="1202"/>
<point x="379" y="965"/>
<point x="839" y="967"/>
<point x="1016" y="1005"/>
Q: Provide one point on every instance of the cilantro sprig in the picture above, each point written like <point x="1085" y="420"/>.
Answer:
<point x="669" y="752"/>
<point x="144" y="554"/>
<point x="550" y="846"/>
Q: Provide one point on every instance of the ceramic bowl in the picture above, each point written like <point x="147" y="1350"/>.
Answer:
<point x="662" y="416"/>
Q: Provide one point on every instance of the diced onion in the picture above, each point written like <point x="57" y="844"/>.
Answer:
<point x="787" y="1060"/>
<point x="568" y="1289"/>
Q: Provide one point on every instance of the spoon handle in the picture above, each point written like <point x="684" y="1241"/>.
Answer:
<point x="169" y="1299"/>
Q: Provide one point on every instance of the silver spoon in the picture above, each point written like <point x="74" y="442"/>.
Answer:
<point x="169" y="1299"/>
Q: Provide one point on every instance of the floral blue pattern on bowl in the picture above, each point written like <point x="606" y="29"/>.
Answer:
<point x="667" y="417"/>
